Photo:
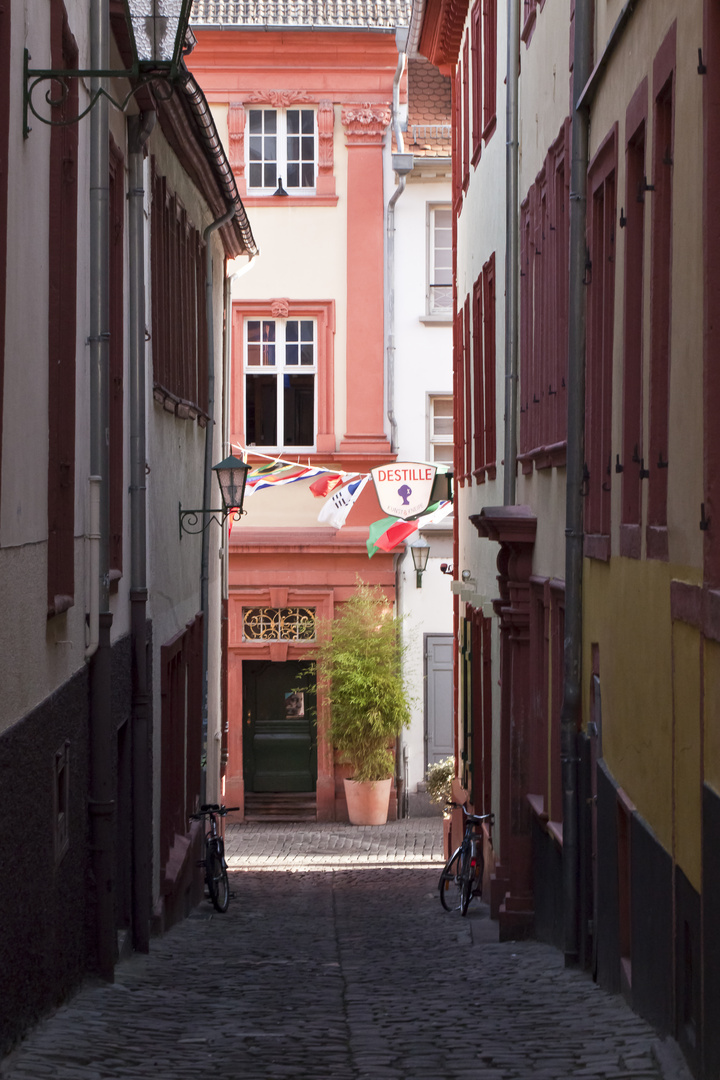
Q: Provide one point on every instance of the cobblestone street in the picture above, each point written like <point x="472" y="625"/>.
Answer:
<point x="336" y="960"/>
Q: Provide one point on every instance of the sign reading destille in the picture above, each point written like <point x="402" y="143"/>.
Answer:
<point x="404" y="488"/>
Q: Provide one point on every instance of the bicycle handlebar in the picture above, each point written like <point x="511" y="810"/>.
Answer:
<point x="213" y="808"/>
<point x="475" y="818"/>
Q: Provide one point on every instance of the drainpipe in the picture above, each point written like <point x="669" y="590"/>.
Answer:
<point x="93" y="572"/>
<point x="207" y="481"/>
<point x="570" y="715"/>
<point x="139" y="129"/>
<point x="101" y="793"/>
<point x="402" y="165"/>
<point x="512" y="257"/>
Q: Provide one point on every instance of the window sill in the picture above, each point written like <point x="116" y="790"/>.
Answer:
<point x="656" y="540"/>
<point x="544" y="457"/>
<point x="489" y="129"/>
<point x="184" y="410"/>
<point x="290" y="200"/>
<point x="436" y="320"/>
<point x="630" y="540"/>
<point x="597" y="546"/>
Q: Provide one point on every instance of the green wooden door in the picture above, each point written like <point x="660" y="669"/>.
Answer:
<point x="279" y="744"/>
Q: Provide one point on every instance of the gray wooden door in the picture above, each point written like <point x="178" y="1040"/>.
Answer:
<point x="439" y="741"/>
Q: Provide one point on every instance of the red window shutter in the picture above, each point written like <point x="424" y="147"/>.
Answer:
<point x="467" y="364"/>
<point x="457" y="139"/>
<point x="5" y="13"/>
<point x="526" y="326"/>
<point x="62" y="264"/>
<point x="632" y="435"/>
<point x="489" y="68"/>
<point x="661" y="280"/>
<point x="478" y="388"/>
<point x="459" y="396"/>
<point x="477" y="85"/>
<point x="489" y="332"/>
<point x="601" y="298"/>
<point x="466" y="114"/>
<point x="116" y="298"/>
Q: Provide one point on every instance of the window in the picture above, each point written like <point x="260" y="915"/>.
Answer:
<point x="439" y="292"/>
<point x="282" y="146"/>
<point x="440" y="415"/>
<point x="278" y="624"/>
<point x="280" y="367"/>
<point x="179" y="329"/>
<point x="543" y="312"/>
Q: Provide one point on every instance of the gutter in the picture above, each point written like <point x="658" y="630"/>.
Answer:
<point x="102" y="735"/>
<point x="402" y="165"/>
<point x="571" y="711"/>
<point x="512" y="256"/>
<point x="200" y="110"/>
<point x="207" y="481"/>
<point x="139" y="129"/>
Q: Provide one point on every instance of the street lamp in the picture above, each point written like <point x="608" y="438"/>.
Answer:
<point x="232" y="475"/>
<point x="158" y="36"/>
<point x="420" y="550"/>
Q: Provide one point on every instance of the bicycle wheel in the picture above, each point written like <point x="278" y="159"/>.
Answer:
<point x="449" y="881"/>
<point x="466" y="879"/>
<point x="217" y="880"/>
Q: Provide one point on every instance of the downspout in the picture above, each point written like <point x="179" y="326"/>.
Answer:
<point x="571" y="712"/>
<point x="207" y="482"/>
<point x="139" y="130"/>
<point x="511" y="253"/>
<point x="400" y="166"/>
<point x="225" y="587"/>
<point x="101" y="788"/>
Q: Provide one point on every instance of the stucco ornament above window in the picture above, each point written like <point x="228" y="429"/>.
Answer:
<point x="368" y="120"/>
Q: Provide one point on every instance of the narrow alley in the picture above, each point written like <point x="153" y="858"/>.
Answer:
<point x="335" y="959"/>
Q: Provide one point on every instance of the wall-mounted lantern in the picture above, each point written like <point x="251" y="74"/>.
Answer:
<point x="232" y="476"/>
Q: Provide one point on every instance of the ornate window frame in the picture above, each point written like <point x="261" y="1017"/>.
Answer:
<point x="325" y="191"/>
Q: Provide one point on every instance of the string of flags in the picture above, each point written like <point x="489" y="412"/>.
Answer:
<point x="341" y="491"/>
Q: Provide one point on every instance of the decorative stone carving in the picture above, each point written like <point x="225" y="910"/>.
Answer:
<point x="366" y="121"/>
<point x="279" y="309"/>
<point x="326" y="123"/>
<point x="236" y="139"/>
<point x="279" y="99"/>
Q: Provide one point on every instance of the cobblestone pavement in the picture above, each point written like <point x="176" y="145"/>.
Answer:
<point x="336" y="960"/>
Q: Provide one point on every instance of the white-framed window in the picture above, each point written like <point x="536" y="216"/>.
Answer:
<point x="440" y="420"/>
<point x="439" y="278"/>
<point x="280" y="359"/>
<point x="282" y="145"/>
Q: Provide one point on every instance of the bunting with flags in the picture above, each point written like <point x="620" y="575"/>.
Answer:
<point x="387" y="533"/>
<point x="335" y="511"/>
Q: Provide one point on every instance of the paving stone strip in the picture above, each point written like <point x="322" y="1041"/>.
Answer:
<point x="335" y="960"/>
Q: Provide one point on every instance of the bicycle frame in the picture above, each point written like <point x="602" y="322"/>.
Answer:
<point x="465" y="866"/>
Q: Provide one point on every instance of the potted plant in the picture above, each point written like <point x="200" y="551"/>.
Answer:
<point x="359" y="669"/>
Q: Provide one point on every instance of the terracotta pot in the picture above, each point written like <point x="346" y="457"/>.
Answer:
<point x="367" y="801"/>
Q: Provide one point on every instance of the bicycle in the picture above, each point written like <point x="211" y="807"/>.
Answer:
<point x="214" y="862"/>
<point x="464" y="868"/>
